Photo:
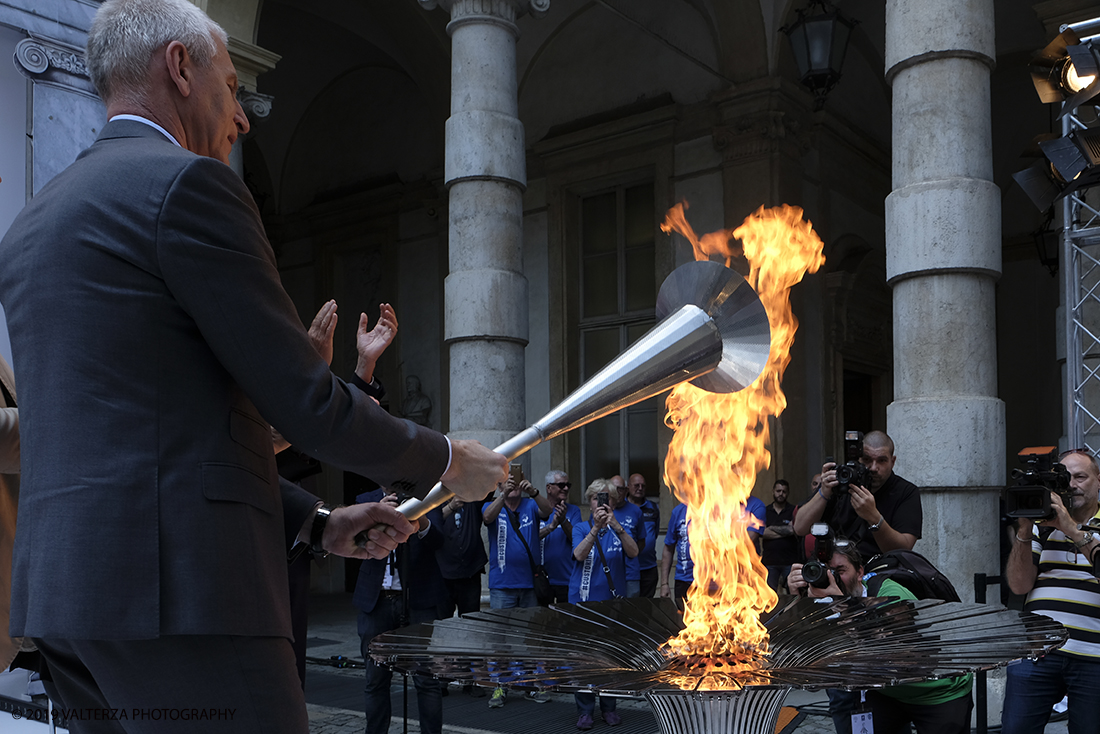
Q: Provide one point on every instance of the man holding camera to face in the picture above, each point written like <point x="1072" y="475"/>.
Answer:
<point x="863" y="499"/>
<point x="1054" y="560"/>
<point x="933" y="707"/>
<point x="513" y="518"/>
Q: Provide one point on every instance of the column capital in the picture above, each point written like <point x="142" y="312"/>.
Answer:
<point x="46" y="61"/>
<point x="491" y="11"/>
<point x="257" y="106"/>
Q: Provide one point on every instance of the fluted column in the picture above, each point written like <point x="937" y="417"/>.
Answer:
<point x="486" y="292"/>
<point x="943" y="256"/>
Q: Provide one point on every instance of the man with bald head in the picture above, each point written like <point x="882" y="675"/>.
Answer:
<point x="629" y="516"/>
<point x="651" y="519"/>
<point x="884" y="516"/>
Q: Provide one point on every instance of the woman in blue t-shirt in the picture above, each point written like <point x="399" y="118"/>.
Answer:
<point x="599" y="576"/>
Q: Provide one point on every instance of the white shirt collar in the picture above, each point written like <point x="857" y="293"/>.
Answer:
<point x="148" y="122"/>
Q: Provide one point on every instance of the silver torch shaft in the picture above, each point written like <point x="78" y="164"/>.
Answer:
<point x="713" y="327"/>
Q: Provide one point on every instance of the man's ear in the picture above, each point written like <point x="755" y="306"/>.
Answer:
<point x="180" y="67"/>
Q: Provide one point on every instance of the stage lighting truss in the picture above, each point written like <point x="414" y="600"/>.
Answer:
<point x="1081" y="286"/>
<point x="1068" y="71"/>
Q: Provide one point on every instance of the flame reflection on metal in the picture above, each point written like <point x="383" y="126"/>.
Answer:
<point x="615" y="647"/>
<point x="713" y="330"/>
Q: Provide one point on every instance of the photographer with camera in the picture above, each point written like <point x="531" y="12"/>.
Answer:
<point x="1054" y="562"/>
<point x="863" y="499"/>
<point x="933" y="707"/>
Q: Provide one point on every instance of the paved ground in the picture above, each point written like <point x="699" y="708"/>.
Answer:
<point x="334" y="696"/>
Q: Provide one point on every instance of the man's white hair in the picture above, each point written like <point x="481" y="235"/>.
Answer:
<point x="126" y="33"/>
<point x="556" y="475"/>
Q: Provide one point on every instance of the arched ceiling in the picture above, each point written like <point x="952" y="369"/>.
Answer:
<point x="360" y="86"/>
<point x="593" y="59"/>
<point x="364" y="86"/>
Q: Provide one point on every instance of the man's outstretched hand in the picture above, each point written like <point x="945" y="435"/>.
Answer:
<point x="385" y="527"/>
<point x="475" y="470"/>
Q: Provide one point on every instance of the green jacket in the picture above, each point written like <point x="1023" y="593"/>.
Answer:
<point x="929" y="692"/>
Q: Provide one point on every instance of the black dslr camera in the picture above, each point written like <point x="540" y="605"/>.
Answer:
<point x="852" y="471"/>
<point x="816" y="570"/>
<point x="1041" y="474"/>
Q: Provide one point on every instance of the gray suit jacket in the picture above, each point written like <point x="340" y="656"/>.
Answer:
<point x="9" y="496"/>
<point x="154" y="343"/>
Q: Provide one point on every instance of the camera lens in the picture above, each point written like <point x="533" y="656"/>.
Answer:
<point x="816" y="574"/>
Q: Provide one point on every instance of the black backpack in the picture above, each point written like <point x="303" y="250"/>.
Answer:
<point x="911" y="570"/>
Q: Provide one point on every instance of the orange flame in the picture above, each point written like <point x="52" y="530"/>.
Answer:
<point x="719" y="446"/>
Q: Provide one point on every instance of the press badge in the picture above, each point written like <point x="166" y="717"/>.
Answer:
<point x="862" y="723"/>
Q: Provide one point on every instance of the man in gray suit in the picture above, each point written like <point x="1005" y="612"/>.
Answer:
<point x="155" y="345"/>
<point x="9" y="496"/>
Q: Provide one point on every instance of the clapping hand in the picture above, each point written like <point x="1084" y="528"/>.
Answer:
<point x="322" y="329"/>
<point x="370" y="344"/>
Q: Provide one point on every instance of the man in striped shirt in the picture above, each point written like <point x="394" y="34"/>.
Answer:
<point x="1053" y="564"/>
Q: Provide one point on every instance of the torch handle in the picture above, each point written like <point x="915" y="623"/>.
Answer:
<point x="414" y="508"/>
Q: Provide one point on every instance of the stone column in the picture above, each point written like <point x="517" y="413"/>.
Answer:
<point x="66" y="113"/>
<point x="943" y="257"/>
<point x="485" y="171"/>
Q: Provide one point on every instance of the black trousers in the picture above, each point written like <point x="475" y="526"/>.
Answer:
<point x="892" y="716"/>
<point x="680" y="591"/>
<point x="648" y="578"/>
<point x="463" y="594"/>
<point x="178" y="685"/>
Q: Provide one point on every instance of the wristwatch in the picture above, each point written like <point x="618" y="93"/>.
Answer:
<point x="317" y="531"/>
<point x="874" y="528"/>
<point x="1086" y="539"/>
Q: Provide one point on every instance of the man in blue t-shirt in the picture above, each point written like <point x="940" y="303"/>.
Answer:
<point x="556" y="534"/>
<point x="651" y="519"/>
<point x="513" y="518"/>
<point x="678" y="546"/>
<point x="629" y="516"/>
<point x="755" y="506"/>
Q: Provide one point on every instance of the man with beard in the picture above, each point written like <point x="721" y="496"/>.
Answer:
<point x="1054" y="563"/>
<point x="885" y="516"/>
<point x="780" y="543"/>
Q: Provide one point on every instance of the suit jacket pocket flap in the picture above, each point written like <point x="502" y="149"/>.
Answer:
<point x="232" y="483"/>
<point x="250" y="433"/>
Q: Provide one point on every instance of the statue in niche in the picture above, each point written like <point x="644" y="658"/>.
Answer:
<point x="417" y="406"/>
